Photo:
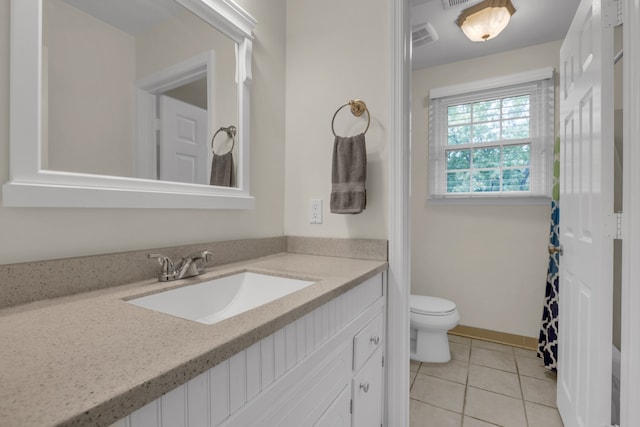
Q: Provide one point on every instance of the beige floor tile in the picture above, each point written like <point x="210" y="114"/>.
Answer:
<point x="438" y="392"/>
<point x="494" y="380"/>
<point x="539" y="391"/>
<point x="423" y="415"/>
<point x="532" y="367"/>
<point x="542" y="416"/>
<point x="414" y="366"/>
<point x="493" y="359"/>
<point x="459" y="351"/>
<point x="454" y="370"/>
<point x="491" y="346"/>
<point x="526" y="353"/>
<point x="472" y="422"/>
<point x="412" y="377"/>
<point x="458" y="339"/>
<point x="494" y="408"/>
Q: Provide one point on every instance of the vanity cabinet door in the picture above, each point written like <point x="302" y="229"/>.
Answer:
<point x="339" y="413"/>
<point x="367" y="393"/>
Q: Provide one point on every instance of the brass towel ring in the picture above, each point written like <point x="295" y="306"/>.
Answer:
<point x="358" y="107"/>
<point x="231" y="133"/>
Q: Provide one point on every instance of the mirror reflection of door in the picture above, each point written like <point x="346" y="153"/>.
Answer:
<point x="182" y="143"/>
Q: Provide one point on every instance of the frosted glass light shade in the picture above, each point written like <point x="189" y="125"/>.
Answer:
<point x="486" y="19"/>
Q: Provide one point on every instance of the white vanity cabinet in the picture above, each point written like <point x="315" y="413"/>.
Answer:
<point x="323" y="369"/>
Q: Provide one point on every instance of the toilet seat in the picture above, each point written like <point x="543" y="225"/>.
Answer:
<point x="432" y="306"/>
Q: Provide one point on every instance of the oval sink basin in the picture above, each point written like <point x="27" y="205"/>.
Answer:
<point x="218" y="299"/>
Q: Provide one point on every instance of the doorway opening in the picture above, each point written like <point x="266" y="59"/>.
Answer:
<point x="176" y="149"/>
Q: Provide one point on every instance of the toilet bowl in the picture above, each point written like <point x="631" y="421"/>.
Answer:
<point x="430" y="319"/>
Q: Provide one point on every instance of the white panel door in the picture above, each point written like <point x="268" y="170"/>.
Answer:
<point x="586" y="197"/>
<point x="184" y="149"/>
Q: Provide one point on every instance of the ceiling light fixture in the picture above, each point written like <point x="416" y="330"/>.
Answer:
<point x="486" y="19"/>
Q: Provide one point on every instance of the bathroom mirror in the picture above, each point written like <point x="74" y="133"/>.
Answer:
<point x="97" y="86"/>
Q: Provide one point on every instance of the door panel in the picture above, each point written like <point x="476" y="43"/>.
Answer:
<point x="184" y="149"/>
<point x="586" y="197"/>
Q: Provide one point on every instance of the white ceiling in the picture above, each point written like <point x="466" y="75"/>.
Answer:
<point x="535" y="22"/>
<point x="131" y="16"/>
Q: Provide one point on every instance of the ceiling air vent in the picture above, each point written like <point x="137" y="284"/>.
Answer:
<point x="448" y="4"/>
<point x="422" y="34"/>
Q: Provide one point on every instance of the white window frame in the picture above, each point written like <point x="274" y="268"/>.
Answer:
<point x="542" y="130"/>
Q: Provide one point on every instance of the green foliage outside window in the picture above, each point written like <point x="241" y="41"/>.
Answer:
<point x="495" y="159"/>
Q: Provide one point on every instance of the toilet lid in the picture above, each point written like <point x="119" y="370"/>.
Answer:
<point x="434" y="306"/>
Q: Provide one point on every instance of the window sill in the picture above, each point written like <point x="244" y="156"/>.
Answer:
<point x="488" y="200"/>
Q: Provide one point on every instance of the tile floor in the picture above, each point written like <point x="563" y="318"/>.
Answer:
<point x="484" y="385"/>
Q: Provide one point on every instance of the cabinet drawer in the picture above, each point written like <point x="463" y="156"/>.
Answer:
<point x="367" y="341"/>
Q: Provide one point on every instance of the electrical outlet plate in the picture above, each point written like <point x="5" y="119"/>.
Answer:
<point x="315" y="211"/>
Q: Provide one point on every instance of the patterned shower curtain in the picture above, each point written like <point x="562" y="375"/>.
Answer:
<point x="548" y="340"/>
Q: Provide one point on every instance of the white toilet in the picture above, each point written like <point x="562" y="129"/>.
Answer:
<point x="430" y="320"/>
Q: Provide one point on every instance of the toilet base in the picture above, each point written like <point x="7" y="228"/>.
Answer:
<point x="431" y="347"/>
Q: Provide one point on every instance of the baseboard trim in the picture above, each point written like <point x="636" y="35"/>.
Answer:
<point x="521" y="341"/>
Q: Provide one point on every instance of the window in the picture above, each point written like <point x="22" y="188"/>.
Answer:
<point x="492" y="139"/>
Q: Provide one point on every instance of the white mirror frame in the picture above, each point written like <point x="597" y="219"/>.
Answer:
<point x="31" y="186"/>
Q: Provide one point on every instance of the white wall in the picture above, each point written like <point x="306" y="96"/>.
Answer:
<point x="490" y="260"/>
<point x="90" y="126"/>
<point x="336" y="51"/>
<point x="39" y="234"/>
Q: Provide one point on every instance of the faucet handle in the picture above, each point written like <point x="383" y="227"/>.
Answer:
<point x="165" y="262"/>
<point x="204" y="256"/>
<point x="200" y="259"/>
<point x="162" y="259"/>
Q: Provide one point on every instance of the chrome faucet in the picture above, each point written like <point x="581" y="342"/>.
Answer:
<point x="188" y="266"/>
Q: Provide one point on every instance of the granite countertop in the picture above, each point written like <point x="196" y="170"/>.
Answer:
<point x="92" y="358"/>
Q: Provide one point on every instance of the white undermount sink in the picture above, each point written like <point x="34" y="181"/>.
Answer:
<point x="218" y="299"/>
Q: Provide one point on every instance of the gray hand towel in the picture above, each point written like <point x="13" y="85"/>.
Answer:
<point x="222" y="170"/>
<point x="348" y="175"/>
